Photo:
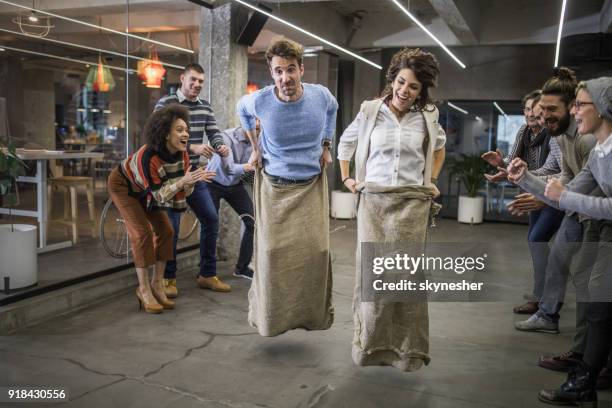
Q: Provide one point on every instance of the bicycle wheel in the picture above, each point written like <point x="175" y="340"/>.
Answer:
<point x="189" y="223"/>
<point x="113" y="232"/>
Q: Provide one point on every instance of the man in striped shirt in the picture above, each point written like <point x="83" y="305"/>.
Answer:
<point x="205" y="138"/>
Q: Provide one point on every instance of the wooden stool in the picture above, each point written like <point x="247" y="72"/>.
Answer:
<point x="71" y="218"/>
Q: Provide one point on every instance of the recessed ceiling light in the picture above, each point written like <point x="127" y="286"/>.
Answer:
<point x="559" y="33"/>
<point x="308" y="33"/>
<point x="429" y="33"/>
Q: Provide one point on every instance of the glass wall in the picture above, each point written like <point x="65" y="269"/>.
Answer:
<point x="472" y="129"/>
<point x="75" y="91"/>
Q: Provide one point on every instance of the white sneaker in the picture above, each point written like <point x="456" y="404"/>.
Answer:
<point x="537" y="324"/>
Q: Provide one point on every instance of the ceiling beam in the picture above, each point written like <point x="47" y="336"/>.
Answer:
<point x="605" y="23"/>
<point x="455" y="20"/>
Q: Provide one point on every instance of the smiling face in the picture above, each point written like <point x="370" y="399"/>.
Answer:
<point x="556" y="114"/>
<point x="536" y="111"/>
<point x="191" y="84"/>
<point x="177" y="140"/>
<point x="287" y="76"/>
<point x="406" y="88"/>
<point x="530" y="117"/>
<point x="587" y="117"/>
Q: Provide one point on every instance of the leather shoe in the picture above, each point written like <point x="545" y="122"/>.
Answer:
<point x="579" y="389"/>
<point x="170" y="288"/>
<point x="564" y="362"/>
<point x="213" y="283"/>
<point x="527" y="308"/>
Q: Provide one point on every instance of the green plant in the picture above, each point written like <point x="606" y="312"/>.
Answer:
<point x="470" y="169"/>
<point x="11" y="167"/>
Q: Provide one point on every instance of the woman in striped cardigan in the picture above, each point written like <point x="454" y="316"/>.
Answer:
<point x="155" y="177"/>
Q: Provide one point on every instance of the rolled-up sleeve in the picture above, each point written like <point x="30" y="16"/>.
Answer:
<point x="440" y="138"/>
<point x="246" y="111"/>
<point x="348" y="140"/>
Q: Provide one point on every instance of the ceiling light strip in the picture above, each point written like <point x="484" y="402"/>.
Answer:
<point x="499" y="109"/>
<point x="89" y="48"/>
<point x="308" y="33"/>
<point x="43" y="54"/>
<point x="559" y="33"/>
<point x="429" y="33"/>
<point x="99" y="27"/>
<point x="455" y="107"/>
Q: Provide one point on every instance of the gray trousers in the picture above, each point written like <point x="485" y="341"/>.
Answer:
<point x="568" y="257"/>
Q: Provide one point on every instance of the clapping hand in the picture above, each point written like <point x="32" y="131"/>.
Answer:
<point x="554" y="189"/>
<point x="516" y="170"/>
<point x="524" y="203"/>
<point x="193" y="176"/>
<point x="223" y="150"/>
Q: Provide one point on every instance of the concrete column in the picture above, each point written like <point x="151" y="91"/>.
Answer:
<point x="225" y="68"/>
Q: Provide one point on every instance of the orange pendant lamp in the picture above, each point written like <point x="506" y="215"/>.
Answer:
<point x="151" y="71"/>
<point x="99" y="78"/>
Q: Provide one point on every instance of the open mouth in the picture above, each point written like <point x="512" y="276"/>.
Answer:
<point x="402" y="98"/>
<point x="184" y="142"/>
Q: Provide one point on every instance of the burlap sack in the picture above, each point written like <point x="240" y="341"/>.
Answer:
<point x="292" y="284"/>
<point x="395" y="334"/>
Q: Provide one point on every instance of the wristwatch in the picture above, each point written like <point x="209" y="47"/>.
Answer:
<point x="327" y="143"/>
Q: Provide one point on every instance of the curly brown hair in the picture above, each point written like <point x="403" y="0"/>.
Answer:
<point x="285" y="48"/>
<point x="159" y="124"/>
<point x="563" y="84"/>
<point x="425" y="68"/>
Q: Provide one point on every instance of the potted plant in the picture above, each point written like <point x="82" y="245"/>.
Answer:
<point x="343" y="202"/>
<point x="470" y="169"/>
<point x="17" y="241"/>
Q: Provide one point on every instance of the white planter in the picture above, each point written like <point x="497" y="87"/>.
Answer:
<point x="18" y="257"/>
<point x="343" y="205"/>
<point x="470" y="209"/>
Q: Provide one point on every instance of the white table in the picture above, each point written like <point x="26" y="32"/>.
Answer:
<point x="40" y="179"/>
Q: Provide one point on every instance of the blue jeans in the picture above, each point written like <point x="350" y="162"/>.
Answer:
<point x="565" y="246"/>
<point x="542" y="226"/>
<point x="202" y="205"/>
<point x="238" y="198"/>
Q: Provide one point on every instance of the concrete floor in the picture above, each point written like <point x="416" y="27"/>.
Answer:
<point x="204" y="354"/>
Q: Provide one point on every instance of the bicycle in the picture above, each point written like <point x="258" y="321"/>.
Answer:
<point x="113" y="232"/>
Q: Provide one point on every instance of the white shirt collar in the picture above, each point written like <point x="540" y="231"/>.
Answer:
<point x="181" y="96"/>
<point x="605" y="148"/>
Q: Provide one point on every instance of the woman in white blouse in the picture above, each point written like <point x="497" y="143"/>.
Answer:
<point x="399" y="152"/>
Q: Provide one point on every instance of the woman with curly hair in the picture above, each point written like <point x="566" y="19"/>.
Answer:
<point x="155" y="177"/>
<point x="399" y="152"/>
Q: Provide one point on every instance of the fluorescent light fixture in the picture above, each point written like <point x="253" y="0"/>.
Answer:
<point x="308" y="33"/>
<point x="478" y="118"/>
<point x="559" y="33"/>
<point x="85" y="47"/>
<point x="455" y="107"/>
<point x="499" y="109"/>
<point x="95" y="110"/>
<point x="110" y="30"/>
<point x="429" y="33"/>
<point x="107" y="111"/>
<point x="310" y="55"/>
<point x="86" y="63"/>
<point x="2" y="49"/>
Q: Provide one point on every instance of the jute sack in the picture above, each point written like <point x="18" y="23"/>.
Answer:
<point x="292" y="284"/>
<point x="391" y="333"/>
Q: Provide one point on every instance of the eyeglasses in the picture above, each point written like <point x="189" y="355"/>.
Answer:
<point x="580" y="104"/>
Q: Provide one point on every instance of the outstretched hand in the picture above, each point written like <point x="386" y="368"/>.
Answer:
<point x="495" y="158"/>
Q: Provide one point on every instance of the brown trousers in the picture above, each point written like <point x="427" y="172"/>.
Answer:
<point x="150" y="232"/>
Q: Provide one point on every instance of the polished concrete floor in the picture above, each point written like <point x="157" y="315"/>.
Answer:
<point x="204" y="354"/>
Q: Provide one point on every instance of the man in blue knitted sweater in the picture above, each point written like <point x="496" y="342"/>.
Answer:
<point x="298" y="121"/>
